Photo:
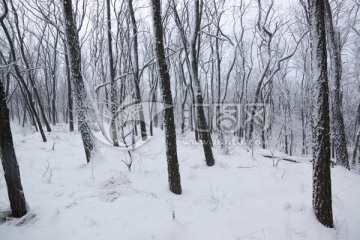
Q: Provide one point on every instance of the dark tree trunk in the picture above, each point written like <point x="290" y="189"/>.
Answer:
<point x="257" y="101"/>
<point x="80" y="94"/>
<point x="53" y="73"/>
<point x="322" y="198"/>
<point x="9" y="162"/>
<point x="356" y="155"/>
<point x="200" y="114"/>
<point x="170" y="133"/>
<point x="193" y="116"/>
<point x="338" y="130"/>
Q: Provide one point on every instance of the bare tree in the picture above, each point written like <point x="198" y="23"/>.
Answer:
<point x="113" y="86"/>
<point x="271" y="58"/>
<point x="135" y="68"/>
<point x="24" y="88"/>
<point x="336" y="73"/>
<point x="29" y="70"/>
<point x="192" y="59"/>
<point x="170" y="133"/>
<point x="322" y="199"/>
<point x="80" y="93"/>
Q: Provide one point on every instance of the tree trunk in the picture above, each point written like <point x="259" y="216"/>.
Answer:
<point x="53" y="73"/>
<point x="303" y="121"/>
<point x="80" y="94"/>
<point x="170" y="133"/>
<point x="113" y="92"/>
<point x="357" y="139"/>
<point x="322" y="198"/>
<point x="136" y="71"/>
<point x="200" y="114"/>
<point x="338" y="130"/>
<point x="69" y="90"/>
<point x="9" y="162"/>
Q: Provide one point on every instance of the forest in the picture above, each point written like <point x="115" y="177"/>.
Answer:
<point x="150" y="119"/>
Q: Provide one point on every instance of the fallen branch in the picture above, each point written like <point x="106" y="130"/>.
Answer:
<point x="281" y="158"/>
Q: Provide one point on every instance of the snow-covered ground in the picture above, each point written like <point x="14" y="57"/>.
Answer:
<point x="239" y="198"/>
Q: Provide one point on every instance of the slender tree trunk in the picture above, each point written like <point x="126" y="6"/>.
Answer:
<point x="53" y="76"/>
<point x="193" y="110"/>
<point x="153" y="107"/>
<point x="170" y="133"/>
<point x="322" y="198"/>
<point x="200" y="114"/>
<point x="254" y="107"/>
<point x="291" y="132"/>
<point x="356" y="157"/>
<point x="338" y="130"/>
<point x="136" y="70"/>
<point x="113" y="92"/>
<point x="80" y="94"/>
<point x="218" y="66"/>
<point x="303" y="121"/>
<point x="357" y="140"/>
<point x="183" y="117"/>
<point x="69" y="90"/>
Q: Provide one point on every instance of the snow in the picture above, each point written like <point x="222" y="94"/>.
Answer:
<point x="238" y="198"/>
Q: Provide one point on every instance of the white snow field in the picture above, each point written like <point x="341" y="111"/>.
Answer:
<point x="240" y="198"/>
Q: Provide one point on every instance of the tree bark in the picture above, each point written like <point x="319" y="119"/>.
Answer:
<point x="200" y="114"/>
<point x="80" y="94"/>
<point x="9" y="162"/>
<point x="170" y="133"/>
<point x="322" y="198"/>
<point x="8" y="157"/>
<point x="339" y="137"/>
